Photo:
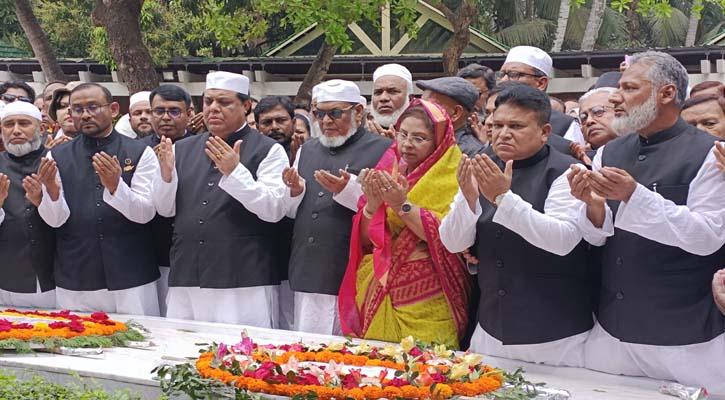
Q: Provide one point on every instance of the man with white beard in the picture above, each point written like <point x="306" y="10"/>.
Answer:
<point x="657" y="193"/>
<point x="392" y="91"/>
<point x="27" y="243"/>
<point x="323" y="204"/>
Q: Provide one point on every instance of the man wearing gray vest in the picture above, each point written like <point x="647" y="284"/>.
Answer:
<point x="224" y="189"/>
<point x="323" y="204"/>
<point x="657" y="193"/>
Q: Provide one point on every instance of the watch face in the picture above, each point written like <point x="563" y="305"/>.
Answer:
<point x="406" y="208"/>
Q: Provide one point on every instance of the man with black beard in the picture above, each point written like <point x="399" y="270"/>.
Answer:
<point x="275" y="118"/>
<point x="27" y="243"/>
<point x="656" y="191"/>
<point x="323" y="204"/>
<point x="105" y="259"/>
<point x="392" y="91"/>
<point x="139" y="114"/>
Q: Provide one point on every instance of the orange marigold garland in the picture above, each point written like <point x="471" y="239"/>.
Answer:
<point x="20" y="328"/>
<point x="337" y="370"/>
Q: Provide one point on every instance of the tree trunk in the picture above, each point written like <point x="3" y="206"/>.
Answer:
<point x="633" y="23"/>
<point x="561" y="25"/>
<point x="121" y="20"/>
<point x="591" y="33"/>
<point x="692" y="24"/>
<point x="38" y="41"/>
<point x="316" y="73"/>
<point x="460" y="21"/>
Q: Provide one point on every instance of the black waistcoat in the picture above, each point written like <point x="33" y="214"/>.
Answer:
<point x="162" y="227"/>
<point x="653" y="293"/>
<point x="217" y="242"/>
<point x="321" y="238"/>
<point x="559" y="144"/>
<point x="529" y="295"/>
<point x="98" y="248"/>
<point x="560" y="123"/>
<point x="27" y="243"/>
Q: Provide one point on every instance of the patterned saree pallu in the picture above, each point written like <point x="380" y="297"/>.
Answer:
<point x="26" y="331"/>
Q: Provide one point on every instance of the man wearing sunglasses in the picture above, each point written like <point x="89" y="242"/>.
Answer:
<point x="11" y="91"/>
<point x="533" y="67"/>
<point x="323" y="203"/>
<point x="105" y="259"/>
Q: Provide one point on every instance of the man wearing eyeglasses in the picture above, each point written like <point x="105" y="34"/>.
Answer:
<point x="323" y="203"/>
<point x="105" y="259"/>
<point x="596" y="115"/>
<point x="170" y="113"/>
<point x="533" y="67"/>
<point x="224" y="190"/>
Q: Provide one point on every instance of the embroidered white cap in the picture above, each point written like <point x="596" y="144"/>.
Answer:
<point x="138" y="97"/>
<point x="531" y="56"/>
<point x="338" y="90"/>
<point x="394" y="70"/>
<point x="228" y="81"/>
<point x="21" y="108"/>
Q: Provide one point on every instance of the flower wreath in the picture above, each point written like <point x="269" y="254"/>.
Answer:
<point x="18" y="330"/>
<point x="343" y="370"/>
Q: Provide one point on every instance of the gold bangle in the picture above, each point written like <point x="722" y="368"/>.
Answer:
<point x="367" y="213"/>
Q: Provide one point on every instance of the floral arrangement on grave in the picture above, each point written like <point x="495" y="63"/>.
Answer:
<point x="25" y="331"/>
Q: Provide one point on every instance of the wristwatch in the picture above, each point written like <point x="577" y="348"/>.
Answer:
<point x="405" y="208"/>
<point x="499" y="198"/>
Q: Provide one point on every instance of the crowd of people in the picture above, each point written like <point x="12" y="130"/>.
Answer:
<point x="477" y="215"/>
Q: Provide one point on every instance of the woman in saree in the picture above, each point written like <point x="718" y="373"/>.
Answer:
<point x="400" y="279"/>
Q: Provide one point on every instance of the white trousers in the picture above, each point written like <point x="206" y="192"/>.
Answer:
<point x="701" y="364"/>
<point x="286" y="307"/>
<point x="45" y="300"/>
<point x="253" y="306"/>
<point x="568" y="351"/>
<point x="162" y="287"/>
<point x="317" y="313"/>
<point x="140" y="300"/>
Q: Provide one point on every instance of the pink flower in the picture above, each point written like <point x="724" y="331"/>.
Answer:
<point x="304" y="378"/>
<point x="221" y="351"/>
<point x="99" y="316"/>
<point x="397" y="382"/>
<point x="265" y="371"/>
<point x="415" y="352"/>
<point x="246" y="346"/>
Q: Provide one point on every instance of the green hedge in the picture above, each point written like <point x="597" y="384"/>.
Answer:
<point x="37" y="388"/>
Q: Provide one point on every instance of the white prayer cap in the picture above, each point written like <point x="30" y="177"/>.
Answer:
<point x="338" y="90"/>
<point x="21" y="108"/>
<point x="137" y="98"/>
<point x="363" y="101"/>
<point x="394" y="70"/>
<point x="531" y="56"/>
<point x="228" y="81"/>
<point x="315" y="92"/>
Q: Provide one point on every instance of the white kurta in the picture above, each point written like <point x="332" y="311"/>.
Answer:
<point x="265" y="197"/>
<point x="39" y="299"/>
<point x="136" y="204"/>
<point x="698" y="228"/>
<point x="574" y="133"/>
<point x="555" y="230"/>
<point x="315" y="312"/>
